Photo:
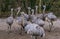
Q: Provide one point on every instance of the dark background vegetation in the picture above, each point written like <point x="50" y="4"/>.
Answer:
<point x="6" y="5"/>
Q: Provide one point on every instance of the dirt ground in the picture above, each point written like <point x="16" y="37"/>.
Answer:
<point x="54" y="34"/>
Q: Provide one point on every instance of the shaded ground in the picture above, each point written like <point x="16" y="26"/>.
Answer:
<point x="55" y="34"/>
<point x="49" y="35"/>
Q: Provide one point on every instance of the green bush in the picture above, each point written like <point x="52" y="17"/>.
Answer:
<point x="6" y="5"/>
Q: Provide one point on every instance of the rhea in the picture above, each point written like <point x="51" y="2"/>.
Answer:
<point x="50" y="18"/>
<point x="10" y="19"/>
<point x="34" y="30"/>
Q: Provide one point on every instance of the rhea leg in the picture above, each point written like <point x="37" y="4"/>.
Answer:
<point x="22" y="29"/>
<point x="50" y="25"/>
<point x="34" y="37"/>
<point x="9" y="28"/>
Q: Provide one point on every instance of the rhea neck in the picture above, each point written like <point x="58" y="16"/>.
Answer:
<point x="36" y="10"/>
<point x="11" y="12"/>
<point x="18" y="11"/>
<point x="32" y="11"/>
<point x="44" y="9"/>
<point x="29" y="10"/>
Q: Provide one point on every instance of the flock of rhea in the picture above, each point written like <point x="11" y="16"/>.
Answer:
<point x="32" y="23"/>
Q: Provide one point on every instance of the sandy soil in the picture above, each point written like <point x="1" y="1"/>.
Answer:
<point x="54" y="34"/>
